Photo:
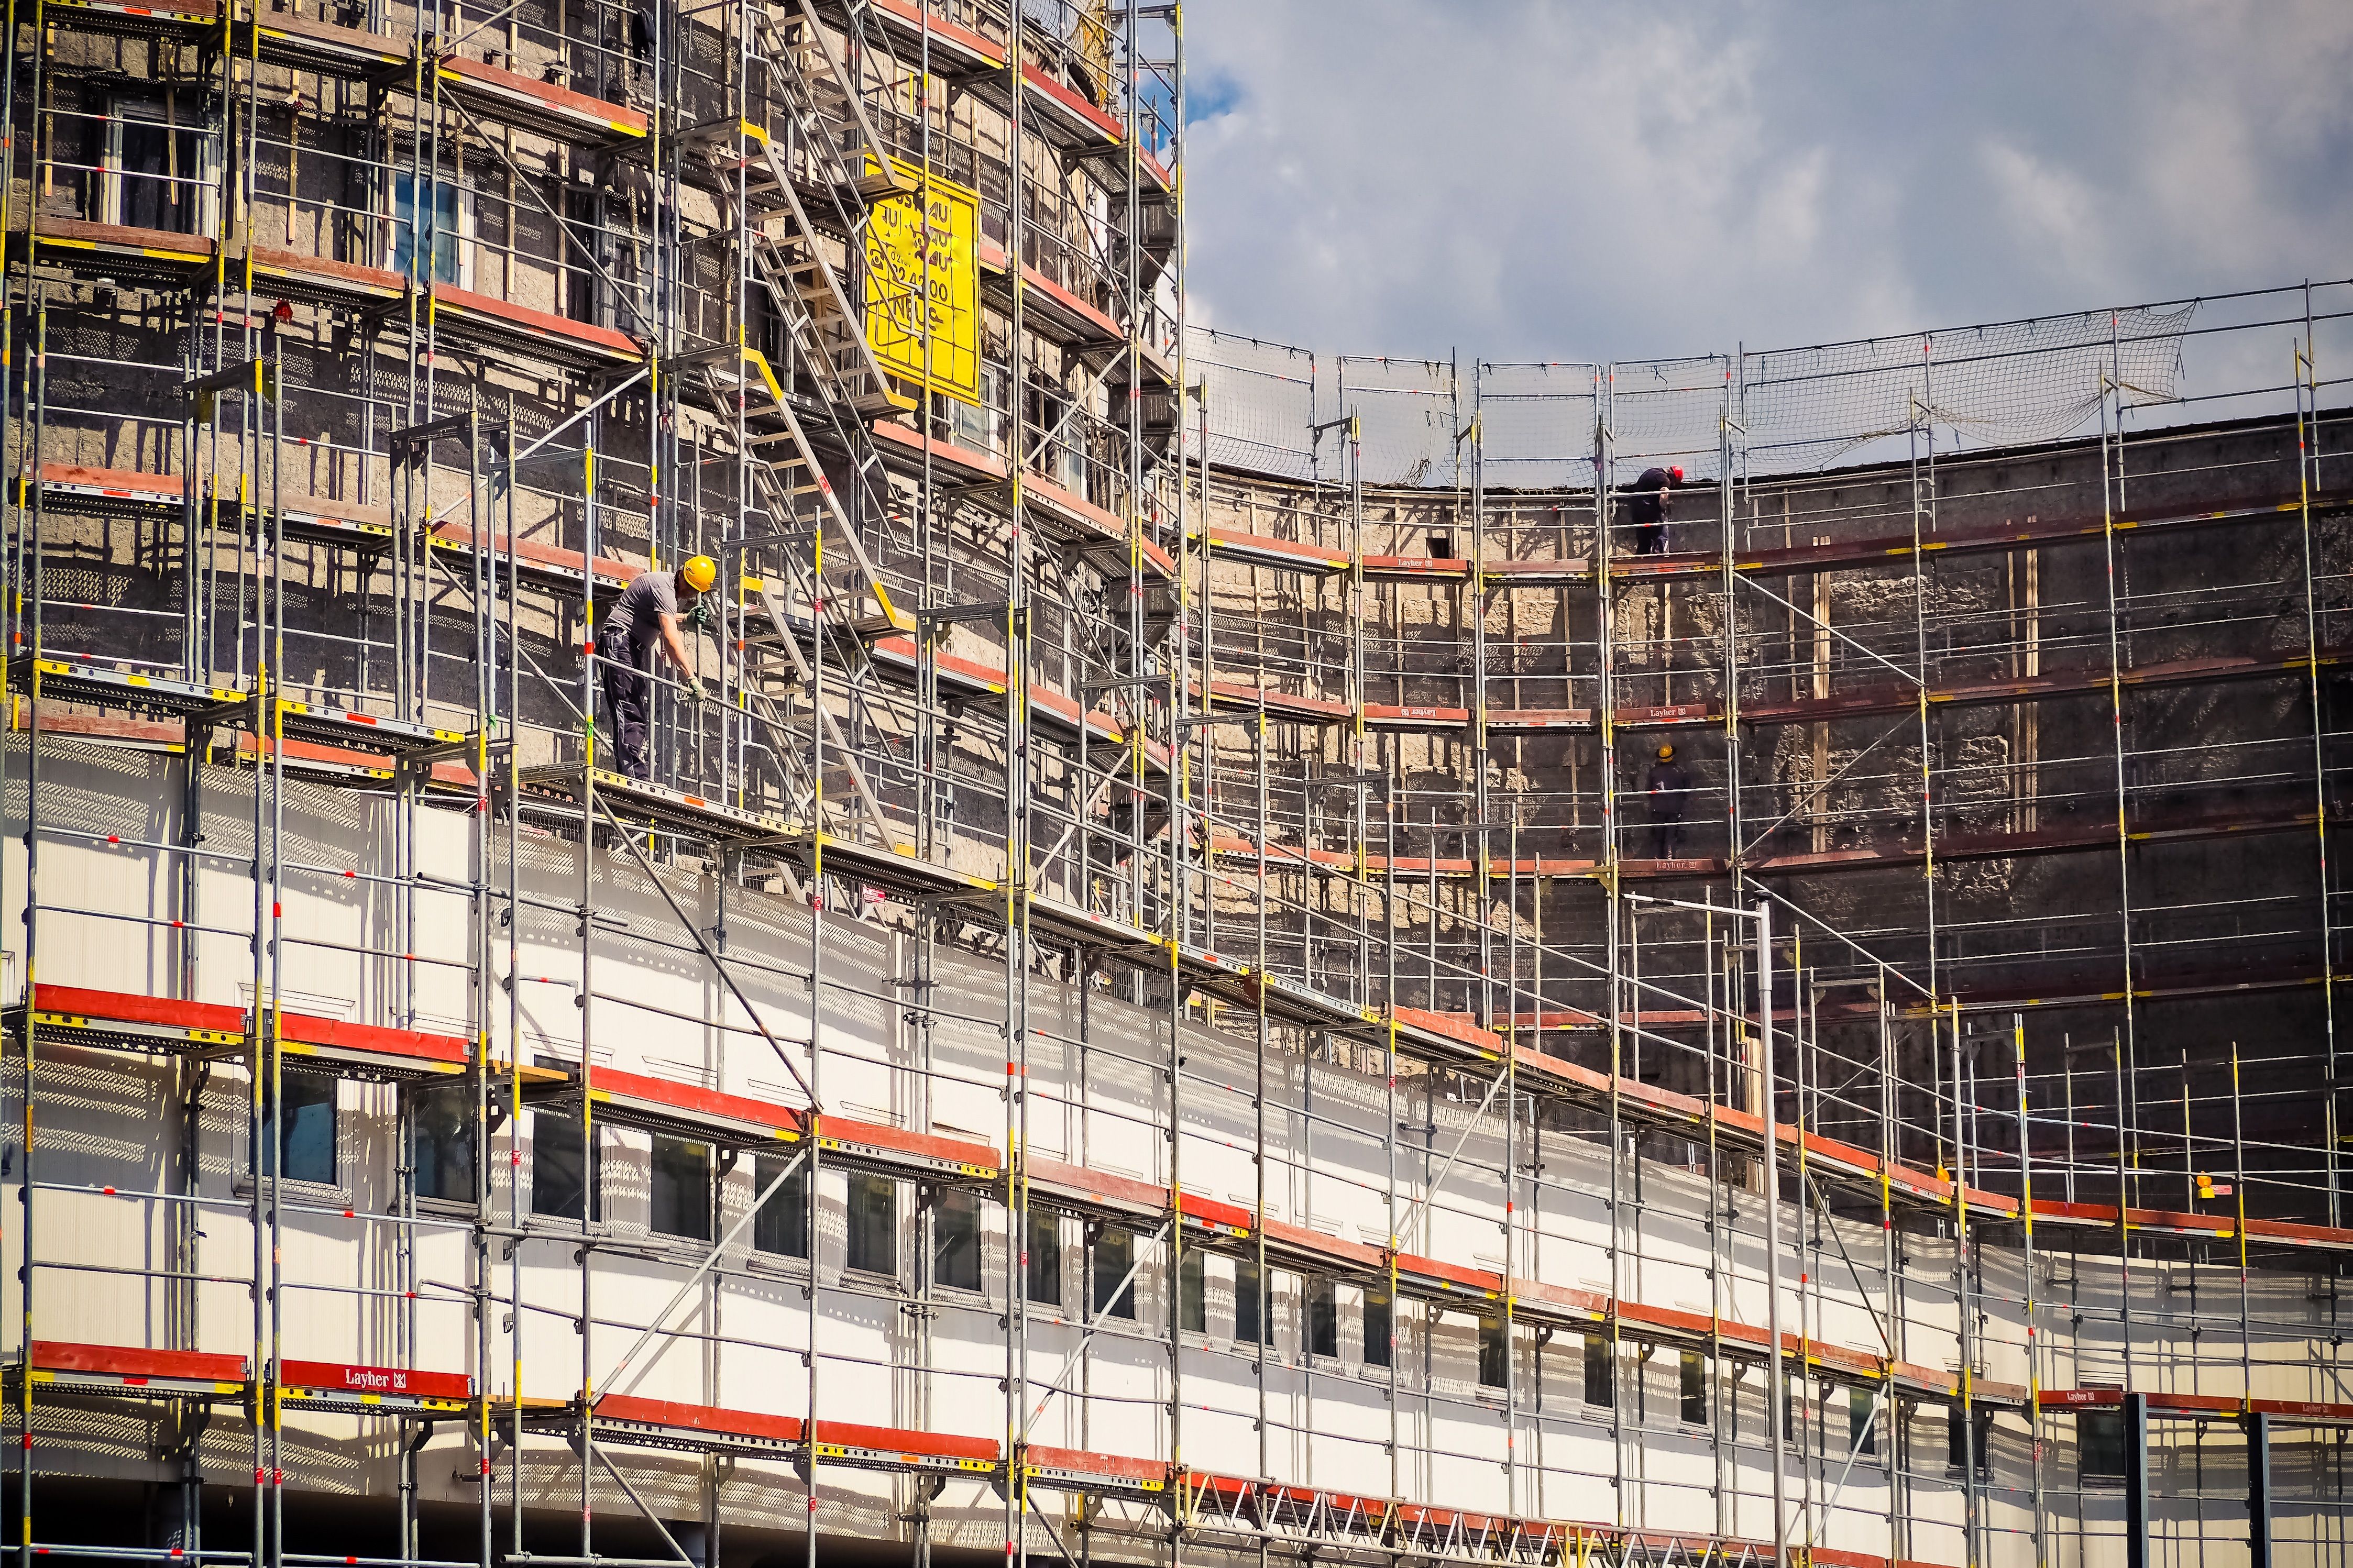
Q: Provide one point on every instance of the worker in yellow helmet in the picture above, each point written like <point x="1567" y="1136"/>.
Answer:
<point x="646" y="613"/>
<point x="1668" y="787"/>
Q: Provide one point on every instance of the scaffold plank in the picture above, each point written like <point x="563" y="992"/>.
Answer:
<point x="135" y="1371"/>
<point x="118" y="1020"/>
<point x="662" y="1105"/>
<point x="386" y="1390"/>
<point x="372" y="1051"/>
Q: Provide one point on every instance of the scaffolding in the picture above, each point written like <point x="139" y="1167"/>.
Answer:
<point x="1122" y="763"/>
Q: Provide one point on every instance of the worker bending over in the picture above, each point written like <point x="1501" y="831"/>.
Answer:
<point x="646" y="613"/>
<point x="1649" y="505"/>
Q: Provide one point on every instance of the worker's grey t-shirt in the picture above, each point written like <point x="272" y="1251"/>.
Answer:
<point x="638" y="611"/>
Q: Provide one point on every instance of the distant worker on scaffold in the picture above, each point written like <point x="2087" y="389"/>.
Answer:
<point x="1648" y="504"/>
<point x="646" y="613"/>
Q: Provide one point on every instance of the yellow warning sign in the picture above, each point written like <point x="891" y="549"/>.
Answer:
<point x="923" y="284"/>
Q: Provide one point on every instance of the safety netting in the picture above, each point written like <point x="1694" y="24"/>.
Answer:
<point x="1770" y="411"/>
<point x="1538" y="426"/>
<point x="2009" y="383"/>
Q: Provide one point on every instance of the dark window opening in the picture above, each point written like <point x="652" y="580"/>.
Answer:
<point x="873" y="1229"/>
<point x="1249" y="1303"/>
<point x="304" y="1127"/>
<point x="1957" y="1431"/>
<point x="956" y="1239"/>
<point x="781" y="1227"/>
<point x="160" y="173"/>
<point x="1044" y="1274"/>
<point x="1380" y="1326"/>
<point x="1322" y="1318"/>
<point x="1193" y="1293"/>
<point x="1114" y="1255"/>
<point x="1693" y="1390"/>
<point x="1861" y="1422"/>
<point x="1601" y="1385"/>
<point x="561" y="1175"/>
<point x="441" y="1128"/>
<point x="681" y="1188"/>
<point x="1495" y="1352"/>
<point x="2100" y="1444"/>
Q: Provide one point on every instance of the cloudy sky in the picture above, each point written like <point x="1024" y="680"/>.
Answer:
<point x="1606" y="178"/>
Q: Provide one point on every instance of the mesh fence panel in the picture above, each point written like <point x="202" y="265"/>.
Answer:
<point x="2011" y="383"/>
<point x="1536" y="426"/>
<point x="2006" y="384"/>
<point x="1407" y="413"/>
<point x="1668" y="413"/>
<point x="1261" y="403"/>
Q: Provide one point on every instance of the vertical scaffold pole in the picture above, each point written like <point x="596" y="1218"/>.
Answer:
<point x="2307" y="454"/>
<point x="1777" y="1383"/>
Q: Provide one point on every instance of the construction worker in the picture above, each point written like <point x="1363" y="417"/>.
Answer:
<point x="646" y="613"/>
<point x="1648" y="506"/>
<point x="1666" y="786"/>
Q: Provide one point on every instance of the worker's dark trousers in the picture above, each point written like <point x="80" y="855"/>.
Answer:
<point x="1666" y="833"/>
<point x="1649" y="539"/>
<point x="629" y="698"/>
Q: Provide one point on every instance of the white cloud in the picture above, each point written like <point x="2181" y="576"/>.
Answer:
<point x="1524" y="180"/>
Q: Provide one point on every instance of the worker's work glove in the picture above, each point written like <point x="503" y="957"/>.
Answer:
<point x="705" y="692"/>
<point x="701" y="615"/>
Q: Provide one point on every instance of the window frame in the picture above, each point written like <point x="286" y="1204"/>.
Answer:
<point x="1250" y="1280"/>
<point x="1041" y="1258"/>
<point x="668" y="1148"/>
<point x="868" y="1191"/>
<point x="965" y="1203"/>
<point x="1494" y="1344"/>
<point x="1323" y="1316"/>
<point x="1104" y="1273"/>
<point x="1601" y="1356"/>
<point x="1379" y="1344"/>
<point x="463" y="214"/>
<point x="1691" y="1390"/>
<point x="413" y="1095"/>
<point x="131" y="105"/>
<point x="251" y="1172"/>
<point x="789" y="1205"/>
<point x="590" y="1139"/>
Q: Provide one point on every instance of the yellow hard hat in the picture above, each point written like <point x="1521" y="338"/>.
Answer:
<point x="1665" y="752"/>
<point x="699" y="573"/>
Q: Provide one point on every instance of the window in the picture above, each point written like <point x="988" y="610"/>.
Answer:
<point x="1495" y="1352"/>
<point x="781" y="1227"/>
<point x="1114" y="1255"/>
<point x="160" y="172"/>
<point x="1692" y="1408"/>
<point x="1249" y="1303"/>
<point x="1957" y="1430"/>
<point x="1322" y="1318"/>
<point x="1601" y="1386"/>
<point x="304" y="1128"/>
<point x="956" y="1239"/>
<point x="560" y="1169"/>
<point x="1793" y="1409"/>
<point x="681" y="1188"/>
<point x="1193" y="1293"/>
<point x="1044" y="1272"/>
<point x="873" y="1217"/>
<point x="431" y="217"/>
<point x="1379" y="1325"/>
<point x="2099" y="1442"/>
<point x="1862" y="1426"/>
<point x="441" y="1126"/>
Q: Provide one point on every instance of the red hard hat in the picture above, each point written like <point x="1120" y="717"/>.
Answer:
<point x="1676" y="475"/>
